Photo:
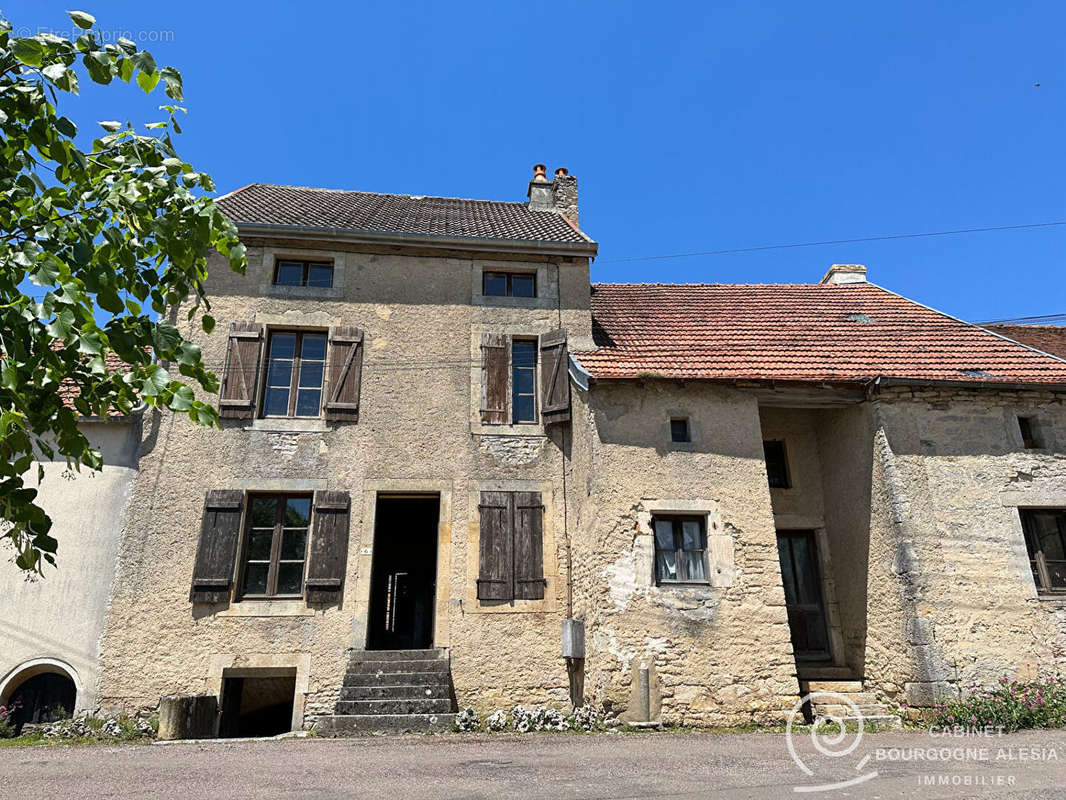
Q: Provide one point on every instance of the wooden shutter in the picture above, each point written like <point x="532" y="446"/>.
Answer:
<point x="496" y="571"/>
<point x="345" y="373"/>
<point x="495" y="378"/>
<point x="241" y="378"/>
<point x="328" y="558"/>
<point x="216" y="555"/>
<point x="528" y="546"/>
<point x="554" y="378"/>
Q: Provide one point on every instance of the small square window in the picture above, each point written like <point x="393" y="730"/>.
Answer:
<point x="776" y="464"/>
<point x="679" y="431"/>
<point x="1030" y="430"/>
<point x="509" y="284"/>
<point x="293" y="272"/>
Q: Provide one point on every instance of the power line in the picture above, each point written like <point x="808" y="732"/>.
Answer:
<point x="834" y="241"/>
<point x="1040" y="319"/>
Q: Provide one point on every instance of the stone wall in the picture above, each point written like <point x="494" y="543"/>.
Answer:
<point x="418" y="431"/>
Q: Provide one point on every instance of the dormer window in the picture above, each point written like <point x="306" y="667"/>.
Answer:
<point x="296" y="272"/>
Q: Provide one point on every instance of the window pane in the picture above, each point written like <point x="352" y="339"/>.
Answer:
<point x="297" y="512"/>
<point x="694" y="565"/>
<point x="320" y="275"/>
<point x="524" y="354"/>
<point x="308" y="402"/>
<point x="1045" y="527"/>
<point x="1056" y="571"/>
<point x="294" y="544"/>
<point x="523" y="381"/>
<point x="692" y="534"/>
<point x="523" y="409"/>
<point x="264" y="512"/>
<point x="522" y="286"/>
<point x="311" y="374"/>
<point x="283" y="345"/>
<point x="313" y="347"/>
<point x="277" y="403"/>
<point x="666" y="565"/>
<point x="495" y="284"/>
<point x="290" y="578"/>
<point x="290" y="273"/>
<point x="664" y="535"/>
<point x="255" y="579"/>
<point x="259" y="540"/>
<point x="776" y="464"/>
<point x="279" y="373"/>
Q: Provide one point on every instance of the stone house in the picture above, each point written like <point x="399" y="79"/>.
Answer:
<point x="452" y="471"/>
<point x="51" y="627"/>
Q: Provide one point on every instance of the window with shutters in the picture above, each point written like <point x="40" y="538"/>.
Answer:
<point x="1045" y="539"/>
<point x="510" y="391"/>
<point x="275" y="547"/>
<point x="296" y="363"/>
<point x="298" y="272"/>
<point x="523" y="381"/>
<point x="511" y="552"/>
<point x="680" y="549"/>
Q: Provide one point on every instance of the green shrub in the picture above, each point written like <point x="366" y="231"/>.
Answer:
<point x="1009" y="704"/>
<point x="7" y="722"/>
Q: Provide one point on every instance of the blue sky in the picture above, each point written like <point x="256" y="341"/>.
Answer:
<point x="690" y="126"/>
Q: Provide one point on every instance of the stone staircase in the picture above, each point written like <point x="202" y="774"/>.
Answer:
<point x="394" y="691"/>
<point x="874" y="714"/>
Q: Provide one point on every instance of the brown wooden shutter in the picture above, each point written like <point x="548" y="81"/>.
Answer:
<point x="241" y="378"/>
<point x="528" y="546"/>
<point x="216" y="555"/>
<point x="554" y="378"/>
<point x="345" y="373"/>
<point x="495" y="378"/>
<point x="328" y="558"/>
<point x="496" y="572"/>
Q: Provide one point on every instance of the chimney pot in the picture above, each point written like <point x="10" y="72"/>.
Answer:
<point x="845" y="273"/>
<point x="561" y="172"/>
<point x="540" y="172"/>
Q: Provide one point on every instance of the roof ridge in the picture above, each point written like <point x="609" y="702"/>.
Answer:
<point x="387" y="194"/>
<point x="737" y="285"/>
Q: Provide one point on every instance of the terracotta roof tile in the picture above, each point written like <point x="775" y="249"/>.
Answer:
<point x="1049" y="338"/>
<point x="68" y="390"/>
<point x="397" y="214"/>
<point x="846" y="333"/>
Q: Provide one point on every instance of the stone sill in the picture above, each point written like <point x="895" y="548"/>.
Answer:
<point x="289" y="425"/>
<point x="1059" y="597"/>
<point x="294" y="607"/>
<point x="301" y="292"/>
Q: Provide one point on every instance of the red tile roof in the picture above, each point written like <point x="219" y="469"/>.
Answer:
<point x="68" y="390"/>
<point x="836" y="333"/>
<point x="1049" y="338"/>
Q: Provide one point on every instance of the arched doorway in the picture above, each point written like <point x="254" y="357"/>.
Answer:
<point x="42" y="692"/>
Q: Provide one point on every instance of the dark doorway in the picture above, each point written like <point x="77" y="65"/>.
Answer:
<point x="403" y="580"/>
<point x="45" y="697"/>
<point x="257" y="706"/>
<point x="798" y="551"/>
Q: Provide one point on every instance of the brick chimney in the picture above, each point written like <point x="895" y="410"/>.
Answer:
<point x="845" y="273"/>
<point x="558" y="195"/>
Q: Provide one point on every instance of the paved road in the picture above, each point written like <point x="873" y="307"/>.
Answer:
<point x="609" y="766"/>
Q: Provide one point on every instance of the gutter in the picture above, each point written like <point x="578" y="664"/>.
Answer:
<point x="356" y="236"/>
<point x="1010" y="386"/>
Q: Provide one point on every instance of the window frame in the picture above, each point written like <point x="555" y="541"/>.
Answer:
<point x="510" y="276"/>
<point x="681" y="563"/>
<point x="786" y="473"/>
<point x="294" y="377"/>
<point x="688" y="430"/>
<point x="533" y="342"/>
<point x="281" y="501"/>
<point x="1037" y="560"/>
<point x="305" y="264"/>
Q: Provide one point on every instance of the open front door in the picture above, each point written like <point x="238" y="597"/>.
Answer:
<point x="798" y="551"/>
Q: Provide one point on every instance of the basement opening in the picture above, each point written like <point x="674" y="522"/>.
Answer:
<point x="257" y="702"/>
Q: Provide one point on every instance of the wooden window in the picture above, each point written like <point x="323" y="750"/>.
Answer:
<point x="275" y="546"/>
<point x="1045" y="539"/>
<point x="680" y="549"/>
<point x="776" y="464"/>
<point x="509" y="284"/>
<point x="523" y="381"/>
<point x="295" y="365"/>
<point x="679" y="431"/>
<point x="294" y="272"/>
<point x="1030" y="430"/>
<point x="511" y="552"/>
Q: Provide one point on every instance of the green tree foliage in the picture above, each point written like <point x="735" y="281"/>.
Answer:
<point x="117" y="230"/>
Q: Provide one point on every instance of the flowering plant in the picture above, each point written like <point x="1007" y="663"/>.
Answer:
<point x="1009" y="704"/>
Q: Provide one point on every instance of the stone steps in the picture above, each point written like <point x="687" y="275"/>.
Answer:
<point x="851" y="697"/>
<point x="393" y="691"/>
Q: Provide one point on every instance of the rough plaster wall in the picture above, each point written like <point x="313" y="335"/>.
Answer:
<point x="415" y="426"/>
<point x="722" y="654"/>
<point x="959" y="472"/>
<point x="61" y="616"/>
